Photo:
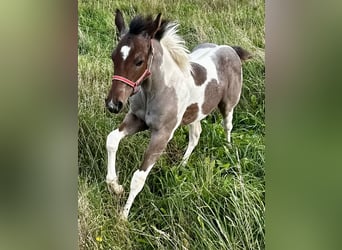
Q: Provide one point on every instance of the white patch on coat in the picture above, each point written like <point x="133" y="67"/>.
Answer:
<point x="125" y="52"/>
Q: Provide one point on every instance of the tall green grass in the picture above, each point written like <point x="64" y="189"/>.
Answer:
<point x="217" y="201"/>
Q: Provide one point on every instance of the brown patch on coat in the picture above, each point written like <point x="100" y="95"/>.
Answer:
<point x="199" y="73"/>
<point x="213" y="94"/>
<point x="190" y="114"/>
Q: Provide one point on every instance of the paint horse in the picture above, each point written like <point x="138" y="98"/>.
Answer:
<point x="166" y="87"/>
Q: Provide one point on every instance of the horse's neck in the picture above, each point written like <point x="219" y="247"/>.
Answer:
<point x="165" y="73"/>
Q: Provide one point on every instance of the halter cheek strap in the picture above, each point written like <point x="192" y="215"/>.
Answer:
<point x="143" y="77"/>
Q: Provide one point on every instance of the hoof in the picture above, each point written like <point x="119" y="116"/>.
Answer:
<point x="115" y="187"/>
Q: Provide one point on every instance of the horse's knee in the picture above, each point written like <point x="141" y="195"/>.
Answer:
<point x="229" y="126"/>
<point x="196" y="131"/>
<point x="139" y="178"/>
<point x="229" y="121"/>
<point x="199" y="130"/>
<point x="138" y="181"/>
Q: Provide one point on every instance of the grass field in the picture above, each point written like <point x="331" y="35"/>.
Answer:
<point x="217" y="201"/>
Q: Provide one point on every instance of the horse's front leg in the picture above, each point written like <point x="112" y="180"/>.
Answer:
<point x="159" y="140"/>
<point x="130" y="125"/>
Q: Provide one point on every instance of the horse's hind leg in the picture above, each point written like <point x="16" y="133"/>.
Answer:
<point x="130" y="125"/>
<point x="228" y="124"/>
<point x="227" y="113"/>
<point x="195" y="130"/>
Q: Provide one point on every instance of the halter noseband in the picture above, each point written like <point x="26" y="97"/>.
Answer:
<point x="143" y="77"/>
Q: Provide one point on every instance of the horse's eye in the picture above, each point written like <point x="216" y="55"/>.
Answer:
<point x="139" y="63"/>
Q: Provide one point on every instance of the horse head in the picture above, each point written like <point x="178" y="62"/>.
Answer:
<point x="131" y="58"/>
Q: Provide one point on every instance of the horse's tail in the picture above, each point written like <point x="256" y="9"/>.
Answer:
<point x="243" y="54"/>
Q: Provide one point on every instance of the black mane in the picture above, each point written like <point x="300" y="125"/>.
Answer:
<point x="140" y="25"/>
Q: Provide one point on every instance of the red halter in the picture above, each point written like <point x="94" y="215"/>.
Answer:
<point x="137" y="83"/>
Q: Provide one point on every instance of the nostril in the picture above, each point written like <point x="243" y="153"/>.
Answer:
<point x="114" y="107"/>
<point x="119" y="105"/>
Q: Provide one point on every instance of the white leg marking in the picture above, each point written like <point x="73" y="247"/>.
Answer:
<point x="195" y="130"/>
<point x="112" y="144"/>
<point x="125" y="52"/>
<point x="228" y="125"/>
<point x="137" y="184"/>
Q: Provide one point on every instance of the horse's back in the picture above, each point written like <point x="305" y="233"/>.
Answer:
<point x="221" y="62"/>
<point x="210" y="51"/>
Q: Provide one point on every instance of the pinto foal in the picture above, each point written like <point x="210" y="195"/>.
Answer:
<point x="167" y="87"/>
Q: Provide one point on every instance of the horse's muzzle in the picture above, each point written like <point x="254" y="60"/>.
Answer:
<point x="114" y="107"/>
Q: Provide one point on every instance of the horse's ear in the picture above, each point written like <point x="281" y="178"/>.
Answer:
<point x="120" y="23"/>
<point x="155" y="26"/>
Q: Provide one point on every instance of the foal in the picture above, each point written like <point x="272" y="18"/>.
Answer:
<point x="167" y="87"/>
